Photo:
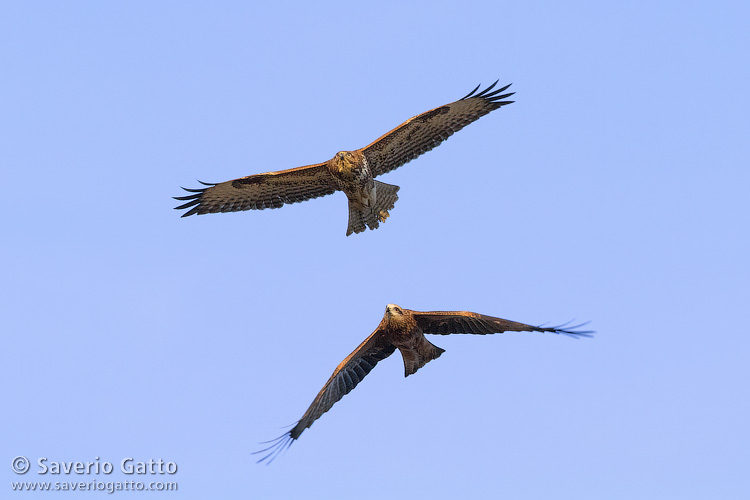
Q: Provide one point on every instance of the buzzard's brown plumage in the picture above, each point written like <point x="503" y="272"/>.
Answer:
<point x="352" y="172"/>
<point x="401" y="329"/>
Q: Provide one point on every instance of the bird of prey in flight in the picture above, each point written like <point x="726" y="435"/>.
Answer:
<point x="401" y="329"/>
<point x="352" y="172"/>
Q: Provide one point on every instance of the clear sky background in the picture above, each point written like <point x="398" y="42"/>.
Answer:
<point x="614" y="190"/>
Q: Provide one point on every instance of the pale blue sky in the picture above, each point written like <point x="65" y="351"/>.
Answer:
<point x="614" y="190"/>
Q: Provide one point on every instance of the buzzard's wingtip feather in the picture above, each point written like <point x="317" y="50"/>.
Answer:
<point x="188" y="197"/>
<point x="489" y="94"/>
<point x="194" y="210"/>
<point x="484" y="92"/>
<point x="192" y="199"/>
<point x="199" y="190"/>
<point x="470" y="93"/>
<point x="187" y="205"/>
<point x="493" y="94"/>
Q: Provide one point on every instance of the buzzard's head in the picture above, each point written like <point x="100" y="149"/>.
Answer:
<point x="344" y="161"/>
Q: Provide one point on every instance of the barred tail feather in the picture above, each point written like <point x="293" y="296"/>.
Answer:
<point x="356" y="219"/>
<point x="385" y="199"/>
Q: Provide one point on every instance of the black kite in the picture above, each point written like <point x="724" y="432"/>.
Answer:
<point x="401" y="329"/>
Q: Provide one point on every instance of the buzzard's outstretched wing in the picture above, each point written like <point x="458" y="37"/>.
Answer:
<point x="448" y="322"/>
<point x="423" y="132"/>
<point x="345" y="377"/>
<point x="256" y="192"/>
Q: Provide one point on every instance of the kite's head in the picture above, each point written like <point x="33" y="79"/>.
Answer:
<point x="393" y="310"/>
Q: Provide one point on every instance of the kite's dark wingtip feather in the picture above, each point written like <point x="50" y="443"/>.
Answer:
<point x="569" y="330"/>
<point x="563" y="325"/>
<point x="574" y="331"/>
<point x="274" y="440"/>
<point x="574" y="328"/>
<point x="579" y="325"/>
<point x="577" y="335"/>
<point x="280" y="444"/>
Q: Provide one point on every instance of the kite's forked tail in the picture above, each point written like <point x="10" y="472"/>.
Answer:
<point x="415" y="358"/>
<point x="359" y="218"/>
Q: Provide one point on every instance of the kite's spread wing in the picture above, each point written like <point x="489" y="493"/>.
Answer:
<point x="448" y="322"/>
<point x="345" y="377"/>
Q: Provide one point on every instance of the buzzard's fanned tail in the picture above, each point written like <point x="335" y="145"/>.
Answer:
<point x="359" y="219"/>
<point x="356" y="219"/>
<point x="386" y="197"/>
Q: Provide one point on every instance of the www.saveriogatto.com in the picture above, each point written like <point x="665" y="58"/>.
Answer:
<point x="60" y="475"/>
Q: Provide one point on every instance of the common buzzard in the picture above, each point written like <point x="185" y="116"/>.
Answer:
<point x="401" y="329"/>
<point x="352" y="172"/>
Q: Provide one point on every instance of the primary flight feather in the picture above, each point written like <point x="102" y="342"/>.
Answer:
<point x="352" y="172"/>
<point x="401" y="329"/>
